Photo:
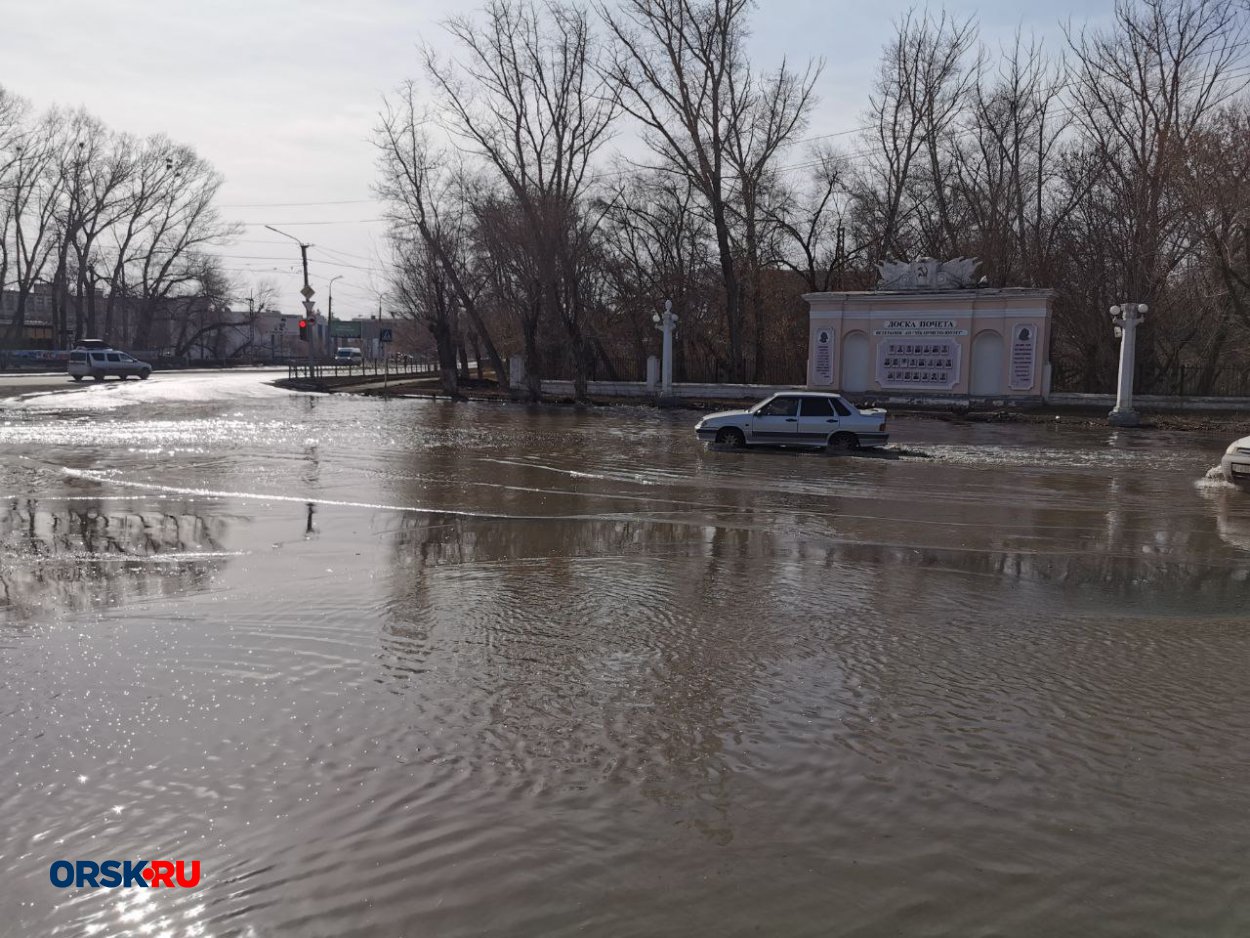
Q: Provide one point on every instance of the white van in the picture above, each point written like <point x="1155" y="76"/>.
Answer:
<point x="99" y="361"/>
<point x="348" y="356"/>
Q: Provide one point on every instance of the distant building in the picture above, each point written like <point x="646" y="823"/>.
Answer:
<point x="38" y="329"/>
<point x="39" y="304"/>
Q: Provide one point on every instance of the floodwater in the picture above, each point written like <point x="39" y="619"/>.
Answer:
<point x="417" y="668"/>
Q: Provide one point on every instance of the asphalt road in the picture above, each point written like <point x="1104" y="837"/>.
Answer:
<point x="17" y="384"/>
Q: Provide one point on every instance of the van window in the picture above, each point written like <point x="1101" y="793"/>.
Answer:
<point x="78" y="356"/>
<point x="114" y="357"/>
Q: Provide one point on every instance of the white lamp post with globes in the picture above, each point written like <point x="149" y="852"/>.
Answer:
<point x="1125" y="318"/>
<point x="666" y="322"/>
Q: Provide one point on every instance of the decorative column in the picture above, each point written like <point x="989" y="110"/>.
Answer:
<point x="1125" y="319"/>
<point x="666" y="322"/>
<point x="653" y="374"/>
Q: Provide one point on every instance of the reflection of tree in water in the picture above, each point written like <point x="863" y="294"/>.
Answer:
<point x="615" y="651"/>
<point x="82" y="555"/>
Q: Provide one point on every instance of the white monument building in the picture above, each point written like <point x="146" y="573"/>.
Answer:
<point x="929" y="329"/>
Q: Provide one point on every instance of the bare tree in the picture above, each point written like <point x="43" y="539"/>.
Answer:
<point x="658" y="245"/>
<point x="204" y="307"/>
<point x="684" y="76"/>
<point x="923" y="83"/>
<point x="1006" y="168"/>
<point x="1142" y="91"/>
<point x="1217" y="202"/>
<point x="164" y="241"/>
<point x="765" y="115"/>
<point x="98" y="202"/>
<point x="422" y="293"/>
<point x="811" y="219"/>
<point x="13" y="117"/>
<point x="429" y="214"/>
<point x="531" y="99"/>
<point x="34" y="190"/>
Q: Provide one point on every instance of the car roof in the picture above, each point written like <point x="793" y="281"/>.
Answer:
<point x="806" y="394"/>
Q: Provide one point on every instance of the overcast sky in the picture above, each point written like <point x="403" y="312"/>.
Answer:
<point x="281" y="96"/>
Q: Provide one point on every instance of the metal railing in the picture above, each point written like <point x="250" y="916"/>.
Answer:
<point x="393" y="366"/>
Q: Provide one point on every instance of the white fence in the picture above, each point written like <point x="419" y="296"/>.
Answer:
<point x="756" y="392"/>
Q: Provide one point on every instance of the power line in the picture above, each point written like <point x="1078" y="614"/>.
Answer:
<point x="296" y="204"/>
<point x="290" y="224"/>
<point x="329" y="263"/>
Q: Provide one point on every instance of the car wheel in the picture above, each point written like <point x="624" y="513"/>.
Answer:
<point x="143" y="375"/>
<point x="97" y="376"/>
<point x="843" y="442"/>
<point x="77" y="377"/>
<point x="731" y="436"/>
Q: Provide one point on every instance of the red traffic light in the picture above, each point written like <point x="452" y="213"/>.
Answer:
<point x="303" y="329"/>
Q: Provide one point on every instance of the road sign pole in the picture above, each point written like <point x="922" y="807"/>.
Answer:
<point x="384" y="340"/>
<point x="312" y="332"/>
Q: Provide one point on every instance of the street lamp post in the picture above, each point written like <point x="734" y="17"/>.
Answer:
<point x="330" y="313"/>
<point x="1125" y="318"/>
<point x="666" y="322"/>
<point x="307" y="292"/>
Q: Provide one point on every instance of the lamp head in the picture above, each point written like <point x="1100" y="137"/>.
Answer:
<point x="1115" y="311"/>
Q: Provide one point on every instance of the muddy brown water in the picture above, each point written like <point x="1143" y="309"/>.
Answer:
<point x="415" y="668"/>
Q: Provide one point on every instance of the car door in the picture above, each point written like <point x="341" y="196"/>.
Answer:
<point x="115" y="366"/>
<point x="818" y="420"/>
<point x="777" y="421"/>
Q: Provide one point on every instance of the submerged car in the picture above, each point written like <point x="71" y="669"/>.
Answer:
<point x="1236" y="462"/>
<point x="93" y="357"/>
<point x="797" y="418"/>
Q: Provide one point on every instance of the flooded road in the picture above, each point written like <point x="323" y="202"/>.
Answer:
<point x="416" y="668"/>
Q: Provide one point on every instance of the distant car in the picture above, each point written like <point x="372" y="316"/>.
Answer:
<point x="797" y="418"/>
<point x="348" y="356"/>
<point x="93" y="357"/>
<point x="1236" y="462"/>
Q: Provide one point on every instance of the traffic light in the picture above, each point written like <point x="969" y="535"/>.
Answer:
<point x="303" y="329"/>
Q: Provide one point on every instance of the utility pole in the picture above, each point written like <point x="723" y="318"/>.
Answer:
<point x="307" y="292"/>
<point x="330" y="314"/>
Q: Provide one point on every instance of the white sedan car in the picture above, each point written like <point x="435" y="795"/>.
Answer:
<point x="797" y="418"/>
<point x="1236" y="462"/>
